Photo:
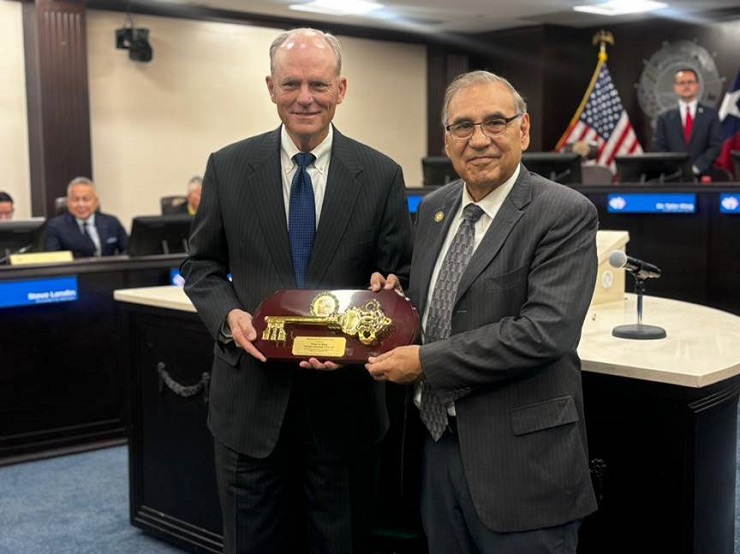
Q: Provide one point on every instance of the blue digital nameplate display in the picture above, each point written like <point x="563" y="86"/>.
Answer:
<point x="30" y="292"/>
<point x="178" y="280"/>
<point x="175" y="278"/>
<point x="729" y="203"/>
<point x="414" y="200"/>
<point x="638" y="203"/>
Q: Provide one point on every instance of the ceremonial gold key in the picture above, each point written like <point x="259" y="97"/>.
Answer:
<point x="366" y="322"/>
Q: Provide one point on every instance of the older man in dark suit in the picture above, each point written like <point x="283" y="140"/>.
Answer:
<point x="84" y="230"/>
<point x="690" y="127"/>
<point x="503" y="272"/>
<point x="302" y="206"/>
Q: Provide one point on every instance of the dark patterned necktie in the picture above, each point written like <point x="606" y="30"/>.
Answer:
<point x="688" y="125"/>
<point x="92" y="233"/>
<point x="439" y="319"/>
<point x="301" y="217"/>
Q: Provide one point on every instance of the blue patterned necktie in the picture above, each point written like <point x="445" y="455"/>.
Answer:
<point x="301" y="217"/>
<point x="439" y="319"/>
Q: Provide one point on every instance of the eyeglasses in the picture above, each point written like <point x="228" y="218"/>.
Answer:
<point x="490" y="127"/>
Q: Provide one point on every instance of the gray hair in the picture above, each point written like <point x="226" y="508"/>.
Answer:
<point x="80" y="181"/>
<point x="477" y="78"/>
<point x="330" y="39"/>
<point x="195" y="181"/>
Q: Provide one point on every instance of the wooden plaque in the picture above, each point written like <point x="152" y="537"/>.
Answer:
<point x="338" y="325"/>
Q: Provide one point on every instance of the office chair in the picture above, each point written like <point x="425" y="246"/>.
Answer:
<point x="172" y="204"/>
<point x="596" y="175"/>
<point x="720" y="175"/>
<point x="60" y="205"/>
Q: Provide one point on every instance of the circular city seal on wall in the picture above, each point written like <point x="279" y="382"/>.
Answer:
<point x="655" y="88"/>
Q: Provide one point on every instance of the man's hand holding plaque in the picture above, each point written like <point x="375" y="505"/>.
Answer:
<point x="344" y="326"/>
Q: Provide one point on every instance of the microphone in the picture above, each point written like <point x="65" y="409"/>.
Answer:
<point x="638" y="268"/>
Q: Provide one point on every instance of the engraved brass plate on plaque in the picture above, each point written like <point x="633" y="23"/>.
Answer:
<point x="344" y="325"/>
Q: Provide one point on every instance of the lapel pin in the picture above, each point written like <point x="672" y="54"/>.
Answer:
<point x="439" y="216"/>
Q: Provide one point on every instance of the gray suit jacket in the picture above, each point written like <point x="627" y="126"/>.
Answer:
<point x="516" y="325"/>
<point x="240" y="228"/>
<point x="705" y="142"/>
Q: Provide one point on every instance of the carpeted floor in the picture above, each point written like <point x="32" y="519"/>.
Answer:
<point x="78" y="504"/>
<point x="75" y="504"/>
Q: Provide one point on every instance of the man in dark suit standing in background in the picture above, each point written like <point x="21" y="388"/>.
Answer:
<point x="83" y="230"/>
<point x="503" y="272"/>
<point x="284" y="427"/>
<point x="691" y="127"/>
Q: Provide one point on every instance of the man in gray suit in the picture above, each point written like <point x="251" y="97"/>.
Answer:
<point x="699" y="133"/>
<point x="294" y="442"/>
<point x="503" y="271"/>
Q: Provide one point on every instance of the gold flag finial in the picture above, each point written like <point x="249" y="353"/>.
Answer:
<point x="602" y="38"/>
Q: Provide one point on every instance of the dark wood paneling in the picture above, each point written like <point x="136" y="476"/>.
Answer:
<point x="442" y="67"/>
<point x="55" y="40"/>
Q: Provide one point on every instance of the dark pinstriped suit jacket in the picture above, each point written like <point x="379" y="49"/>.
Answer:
<point x="241" y="228"/>
<point x="705" y="143"/>
<point x="515" y="328"/>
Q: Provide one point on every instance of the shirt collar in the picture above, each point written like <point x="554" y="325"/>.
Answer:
<point x="493" y="200"/>
<point x="692" y="105"/>
<point x="90" y="220"/>
<point x="322" y="152"/>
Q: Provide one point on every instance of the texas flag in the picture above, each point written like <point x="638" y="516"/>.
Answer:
<point x="729" y="115"/>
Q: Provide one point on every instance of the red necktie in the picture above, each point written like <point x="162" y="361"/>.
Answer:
<point x="688" y="125"/>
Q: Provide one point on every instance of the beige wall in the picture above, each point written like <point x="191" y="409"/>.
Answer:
<point x="14" y="163"/>
<point x="154" y="124"/>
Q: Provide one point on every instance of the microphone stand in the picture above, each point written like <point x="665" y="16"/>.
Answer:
<point x="639" y="331"/>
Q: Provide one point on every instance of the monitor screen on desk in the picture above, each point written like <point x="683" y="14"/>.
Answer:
<point x="154" y="235"/>
<point x="18" y="236"/>
<point x="654" y="168"/>
<point x="437" y="171"/>
<point x="414" y="196"/>
<point x="561" y="167"/>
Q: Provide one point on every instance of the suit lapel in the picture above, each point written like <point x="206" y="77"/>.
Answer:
<point x="436" y="230"/>
<point x="342" y="190"/>
<point x="511" y="211"/>
<point x="265" y="188"/>
<point x="700" y="122"/>
<point x="676" y="123"/>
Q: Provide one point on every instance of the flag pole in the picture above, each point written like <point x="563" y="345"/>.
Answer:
<point x="601" y="38"/>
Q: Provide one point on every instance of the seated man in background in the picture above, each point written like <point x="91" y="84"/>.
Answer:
<point x="6" y="206"/>
<point x="191" y="206"/>
<point x="690" y="127"/>
<point x="83" y="231"/>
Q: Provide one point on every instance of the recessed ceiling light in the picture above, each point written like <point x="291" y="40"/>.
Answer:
<point x="621" y="7"/>
<point x="338" y="7"/>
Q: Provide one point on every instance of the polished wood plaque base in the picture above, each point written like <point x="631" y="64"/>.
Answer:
<point x="338" y="325"/>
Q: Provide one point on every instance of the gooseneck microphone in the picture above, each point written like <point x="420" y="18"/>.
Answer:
<point x="640" y="269"/>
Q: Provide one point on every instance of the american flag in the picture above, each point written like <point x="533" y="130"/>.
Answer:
<point x="602" y="120"/>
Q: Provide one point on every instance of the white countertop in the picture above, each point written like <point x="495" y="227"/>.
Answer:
<point x="171" y="297"/>
<point x="702" y="346"/>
